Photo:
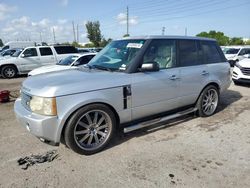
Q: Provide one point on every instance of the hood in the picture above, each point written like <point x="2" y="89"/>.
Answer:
<point x="51" y="68"/>
<point x="70" y="81"/>
<point x="245" y="63"/>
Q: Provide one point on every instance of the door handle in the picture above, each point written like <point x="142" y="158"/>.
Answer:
<point x="204" y="73"/>
<point x="173" y="77"/>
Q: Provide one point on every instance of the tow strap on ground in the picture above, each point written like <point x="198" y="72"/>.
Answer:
<point x="28" y="161"/>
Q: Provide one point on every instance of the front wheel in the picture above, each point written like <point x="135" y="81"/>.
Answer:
<point x="9" y="71"/>
<point x="208" y="101"/>
<point x="90" y="129"/>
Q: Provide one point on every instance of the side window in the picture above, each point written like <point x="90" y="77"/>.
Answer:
<point x="85" y="59"/>
<point x="244" y="51"/>
<point x="163" y="52"/>
<point x="189" y="53"/>
<point x="30" y="52"/>
<point x="45" y="51"/>
<point x="211" y="53"/>
<point x="65" y="49"/>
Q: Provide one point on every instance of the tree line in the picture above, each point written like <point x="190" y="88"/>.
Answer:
<point x="97" y="39"/>
<point x="222" y="39"/>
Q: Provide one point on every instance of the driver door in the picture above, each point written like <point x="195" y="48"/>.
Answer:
<point x="156" y="92"/>
<point x="29" y="59"/>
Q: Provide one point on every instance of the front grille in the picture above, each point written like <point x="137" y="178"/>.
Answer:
<point x="245" y="71"/>
<point x="25" y="99"/>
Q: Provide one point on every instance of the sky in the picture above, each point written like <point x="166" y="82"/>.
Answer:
<point x="35" y="20"/>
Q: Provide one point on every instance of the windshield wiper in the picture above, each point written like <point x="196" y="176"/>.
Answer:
<point x="102" y="68"/>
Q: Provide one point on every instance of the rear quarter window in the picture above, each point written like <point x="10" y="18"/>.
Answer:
<point x="65" y="49"/>
<point x="211" y="52"/>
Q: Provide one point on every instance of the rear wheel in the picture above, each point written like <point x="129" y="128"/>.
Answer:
<point x="9" y="71"/>
<point x="90" y="129"/>
<point x="208" y="101"/>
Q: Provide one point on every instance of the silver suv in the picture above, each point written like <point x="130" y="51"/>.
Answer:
<point x="132" y="83"/>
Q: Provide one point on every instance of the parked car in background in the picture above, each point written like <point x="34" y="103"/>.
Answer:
<point x="236" y="53"/>
<point x="84" y="50"/>
<point x="132" y="83"/>
<point x="241" y="71"/>
<point x="17" y="44"/>
<point x="34" y="57"/>
<point x="70" y="62"/>
<point x="9" y="52"/>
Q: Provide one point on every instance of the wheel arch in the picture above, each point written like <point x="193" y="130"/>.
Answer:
<point x="73" y="112"/>
<point x="9" y="64"/>
<point x="211" y="83"/>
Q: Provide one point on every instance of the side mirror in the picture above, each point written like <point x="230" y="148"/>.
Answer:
<point x="150" y="67"/>
<point x="246" y="55"/>
<point x="22" y="55"/>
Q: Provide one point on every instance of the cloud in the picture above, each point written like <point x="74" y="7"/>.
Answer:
<point x="5" y="11"/>
<point x="24" y="28"/>
<point x="122" y="19"/>
<point x="62" y="21"/>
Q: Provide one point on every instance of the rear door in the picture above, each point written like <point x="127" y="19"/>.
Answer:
<point x="47" y="56"/>
<point x="194" y="73"/>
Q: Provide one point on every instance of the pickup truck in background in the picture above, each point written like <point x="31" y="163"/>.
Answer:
<point x="33" y="57"/>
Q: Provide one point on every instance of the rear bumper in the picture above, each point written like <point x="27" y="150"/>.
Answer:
<point x="43" y="127"/>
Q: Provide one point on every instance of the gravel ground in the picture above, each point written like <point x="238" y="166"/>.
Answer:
<point x="187" y="152"/>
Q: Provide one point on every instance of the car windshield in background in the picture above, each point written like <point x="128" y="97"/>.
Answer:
<point x="68" y="60"/>
<point x="232" y="51"/>
<point x="17" y="53"/>
<point x="117" y="55"/>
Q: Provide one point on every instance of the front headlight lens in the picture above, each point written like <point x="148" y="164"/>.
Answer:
<point x="237" y="65"/>
<point x="43" y="106"/>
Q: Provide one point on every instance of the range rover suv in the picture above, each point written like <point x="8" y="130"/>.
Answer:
<point x="132" y="83"/>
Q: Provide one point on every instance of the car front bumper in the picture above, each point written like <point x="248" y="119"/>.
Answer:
<point x="44" y="127"/>
<point x="238" y="76"/>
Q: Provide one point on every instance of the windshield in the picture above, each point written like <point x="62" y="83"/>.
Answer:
<point x="117" y="55"/>
<point x="68" y="60"/>
<point x="17" y="53"/>
<point x="231" y="50"/>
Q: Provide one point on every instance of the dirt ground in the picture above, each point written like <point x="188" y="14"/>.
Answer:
<point x="187" y="152"/>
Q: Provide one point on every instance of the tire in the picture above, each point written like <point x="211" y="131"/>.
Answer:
<point x="236" y="83"/>
<point x="90" y="129"/>
<point x="208" y="101"/>
<point x="9" y="71"/>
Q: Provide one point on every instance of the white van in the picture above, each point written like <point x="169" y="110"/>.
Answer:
<point x="17" y="44"/>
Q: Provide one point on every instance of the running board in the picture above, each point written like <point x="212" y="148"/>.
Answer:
<point x="158" y="120"/>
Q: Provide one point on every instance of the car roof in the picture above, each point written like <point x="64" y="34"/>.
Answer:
<point x="168" y="37"/>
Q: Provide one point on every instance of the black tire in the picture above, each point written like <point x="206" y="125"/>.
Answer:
<point x="201" y="103"/>
<point x="236" y="83"/>
<point x="79" y="123"/>
<point x="9" y="71"/>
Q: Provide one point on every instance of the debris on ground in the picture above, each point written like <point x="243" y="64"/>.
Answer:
<point x="28" y="161"/>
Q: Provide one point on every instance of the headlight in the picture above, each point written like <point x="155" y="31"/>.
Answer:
<point x="237" y="65"/>
<point x="43" y="106"/>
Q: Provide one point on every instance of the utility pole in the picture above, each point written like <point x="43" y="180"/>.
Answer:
<point x="41" y="37"/>
<point x="163" y="30"/>
<point x="54" y="35"/>
<point x="185" y="31"/>
<point x="74" y="33"/>
<point x="127" y="21"/>
<point x="77" y="33"/>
